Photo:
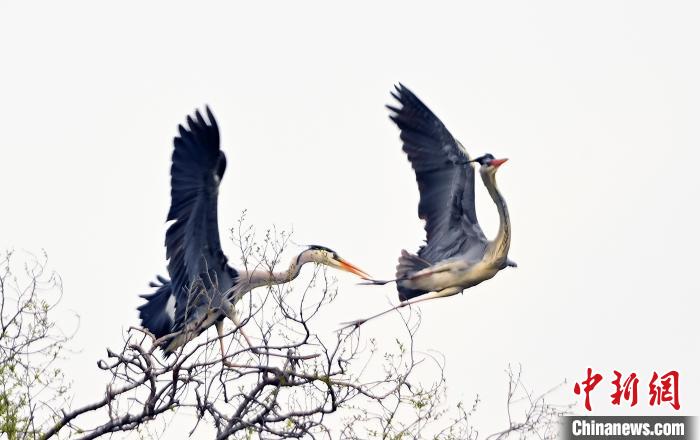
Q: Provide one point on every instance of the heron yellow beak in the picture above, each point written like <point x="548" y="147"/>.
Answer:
<point x="348" y="267"/>
<point x="498" y="162"/>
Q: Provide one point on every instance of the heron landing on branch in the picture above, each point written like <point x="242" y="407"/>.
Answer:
<point x="457" y="254"/>
<point x="204" y="288"/>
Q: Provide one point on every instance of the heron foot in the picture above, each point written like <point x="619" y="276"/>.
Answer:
<point x="356" y="323"/>
<point x="370" y="282"/>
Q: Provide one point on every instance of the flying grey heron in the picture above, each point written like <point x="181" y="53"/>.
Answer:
<point x="204" y="287"/>
<point x="456" y="255"/>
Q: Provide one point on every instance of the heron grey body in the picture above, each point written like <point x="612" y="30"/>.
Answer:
<point x="204" y="288"/>
<point x="478" y="263"/>
<point x="217" y="302"/>
<point x="456" y="254"/>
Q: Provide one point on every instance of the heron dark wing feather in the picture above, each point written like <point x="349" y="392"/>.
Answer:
<point x="445" y="180"/>
<point x="192" y="240"/>
<point x="154" y="312"/>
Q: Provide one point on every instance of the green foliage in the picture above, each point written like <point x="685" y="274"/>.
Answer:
<point x="9" y="416"/>
<point x="13" y="404"/>
<point x="29" y="382"/>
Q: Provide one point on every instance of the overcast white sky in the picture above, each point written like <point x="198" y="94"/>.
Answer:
<point x="595" y="103"/>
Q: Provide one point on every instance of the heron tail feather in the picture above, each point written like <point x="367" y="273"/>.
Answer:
<point x="408" y="265"/>
<point x="156" y="314"/>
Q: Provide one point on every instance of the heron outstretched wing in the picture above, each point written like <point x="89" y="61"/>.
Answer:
<point x="445" y="181"/>
<point x="192" y="240"/>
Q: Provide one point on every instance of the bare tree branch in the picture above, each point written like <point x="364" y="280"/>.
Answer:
<point x="296" y="382"/>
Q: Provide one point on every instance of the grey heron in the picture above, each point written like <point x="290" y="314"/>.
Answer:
<point x="204" y="288"/>
<point x="457" y="254"/>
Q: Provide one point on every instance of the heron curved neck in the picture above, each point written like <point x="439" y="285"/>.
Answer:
<point x="292" y="271"/>
<point x="498" y="249"/>
<point x="261" y="277"/>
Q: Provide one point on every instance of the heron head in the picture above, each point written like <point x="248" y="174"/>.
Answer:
<point x="329" y="257"/>
<point x="488" y="162"/>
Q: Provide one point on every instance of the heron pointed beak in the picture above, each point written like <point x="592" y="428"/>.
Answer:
<point x="498" y="162"/>
<point x="348" y="267"/>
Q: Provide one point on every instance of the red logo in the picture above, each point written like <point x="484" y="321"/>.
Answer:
<point x="667" y="392"/>
<point x="662" y="389"/>
<point x="625" y="391"/>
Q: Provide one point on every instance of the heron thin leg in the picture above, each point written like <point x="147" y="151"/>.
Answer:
<point x="370" y="282"/>
<point x="239" y="326"/>
<point x="425" y="273"/>
<point x="439" y="294"/>
<point x="220" y="331"/>
<point x="230" y="312"/>
<point x="413" y="276"/>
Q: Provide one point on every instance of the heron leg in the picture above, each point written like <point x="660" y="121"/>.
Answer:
<point x="370" y="282"/>
<point x="413" y="276"/>
<point x="239" y="326"/>
<point x="426" y="273"/>
<point x="220" y="331"/>
<point x="438" y="294"/>
<point x="230" y="312"/>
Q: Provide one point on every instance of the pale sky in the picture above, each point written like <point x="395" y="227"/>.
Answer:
<point x="595" y="103"/>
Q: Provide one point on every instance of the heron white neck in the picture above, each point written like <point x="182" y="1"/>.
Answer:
<point x="255" y="278"/>
<point x="498" y="248"/>
<point x="292" y="271"/>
